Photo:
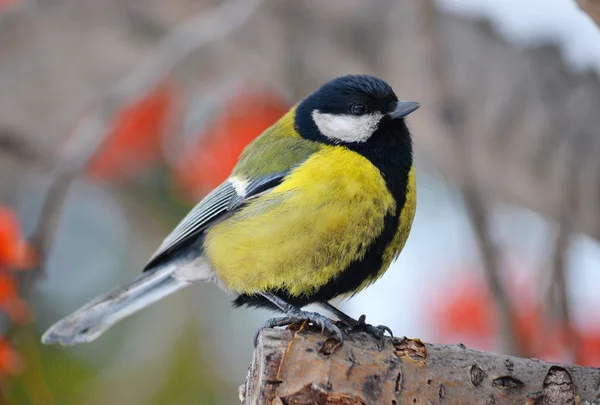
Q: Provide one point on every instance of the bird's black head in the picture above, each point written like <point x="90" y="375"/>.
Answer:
<point x="352" y="109"/>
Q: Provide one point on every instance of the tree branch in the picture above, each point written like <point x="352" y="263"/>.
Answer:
<point x="592" y="8"/>
<point x="303" y="367"/>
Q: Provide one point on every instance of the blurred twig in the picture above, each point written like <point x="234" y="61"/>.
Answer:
<point x="592" y="8"/>
<point x="452" y="112"/>
<point x="14" y="144"/>
<point x="294" y="15"/>
<point x="478" y="214"/>
<point x="555" y="295"/>
<point x="89" y="135"/>
<point x="144" y="23"/>
<point x="43" y="235"/>
<point x="555" y="299"/>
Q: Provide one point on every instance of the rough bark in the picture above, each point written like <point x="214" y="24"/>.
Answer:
<point x="592" y="8"/>
<point x="304" y="367"/>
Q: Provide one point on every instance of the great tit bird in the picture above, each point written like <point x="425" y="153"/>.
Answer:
<point x="316" y="208"/>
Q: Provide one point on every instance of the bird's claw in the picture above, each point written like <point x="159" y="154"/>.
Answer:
<point x="317" y="319"/>
<point x="272" y="323"/>
<point x="376" y="331"/>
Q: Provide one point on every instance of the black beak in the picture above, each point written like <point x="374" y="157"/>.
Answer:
<point x="403" y="108"/>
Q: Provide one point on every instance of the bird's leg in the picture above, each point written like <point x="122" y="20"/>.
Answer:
<point x="294" y="315"/>
<point x="377" y="331"/>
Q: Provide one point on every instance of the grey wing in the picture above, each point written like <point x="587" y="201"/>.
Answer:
<point x="222" y="200"/>
<point x="205" y="212"/>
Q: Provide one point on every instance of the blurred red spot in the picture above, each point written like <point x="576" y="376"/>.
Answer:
<point x="10" y="302"/>
<point x="467" y="313"/>
<point x="10" y="361"/>
<point x="6" y="3"/>
<point x="14" y="251"/>
<point x="135" y="140"/>
<point x="8" y="288"/>
<point x="588" y="353"/>
<point x="243" y="117"/>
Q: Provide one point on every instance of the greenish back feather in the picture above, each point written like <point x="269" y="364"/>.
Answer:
<point x="278" y="150"/>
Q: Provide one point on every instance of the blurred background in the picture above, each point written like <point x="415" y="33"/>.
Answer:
<point x="116" y="116"/>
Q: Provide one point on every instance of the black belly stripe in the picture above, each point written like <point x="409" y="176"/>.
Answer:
<point x="348" y="281"/>
<point x="359" y="270"/>
<point x="391" y="153"/>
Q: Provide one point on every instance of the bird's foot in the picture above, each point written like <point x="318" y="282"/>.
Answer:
<point x="317" y="319"/>
<point x="377" y="331"/>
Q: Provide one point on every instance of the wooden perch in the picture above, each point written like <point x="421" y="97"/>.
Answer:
<point x="300" y="366"/>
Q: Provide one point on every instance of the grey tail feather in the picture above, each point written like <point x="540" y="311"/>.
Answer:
<point x="92" y="320"/>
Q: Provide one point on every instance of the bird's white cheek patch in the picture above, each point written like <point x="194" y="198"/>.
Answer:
<point x="347" y="128"/>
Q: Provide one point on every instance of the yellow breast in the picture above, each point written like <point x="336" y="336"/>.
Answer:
<point x="305" y="231"/>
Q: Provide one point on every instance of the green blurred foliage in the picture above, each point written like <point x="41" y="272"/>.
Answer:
<point x="50" y="375"/>
<point x="188" y="377"/>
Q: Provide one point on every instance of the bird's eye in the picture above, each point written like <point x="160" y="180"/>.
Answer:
<point x="392" y="106"/>
<point x="358" y="109"/>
